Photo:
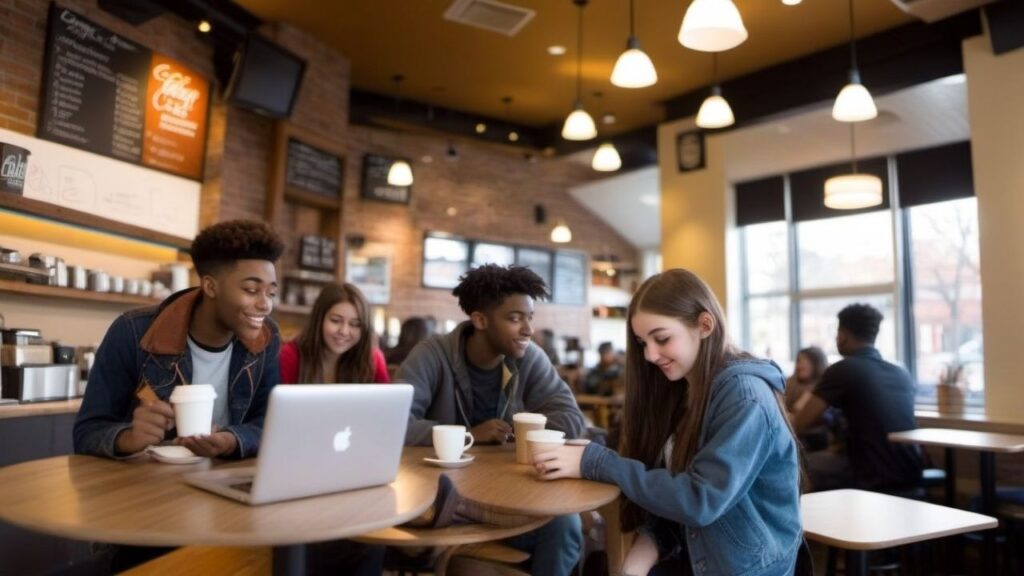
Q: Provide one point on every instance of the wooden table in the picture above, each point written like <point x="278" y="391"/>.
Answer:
<point x="988" y="444"/>
<point x="858" y="521"/>
<point x="602" y="406"/>
<point x="145" y="503"/>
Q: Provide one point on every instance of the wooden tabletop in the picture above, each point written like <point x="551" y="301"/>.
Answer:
<point x="496" y="482"/>
<point x="454" y="535"/>
<point x="145" y="503"/>
<point x="970" y="439"/>
<point x="860" y="520"/>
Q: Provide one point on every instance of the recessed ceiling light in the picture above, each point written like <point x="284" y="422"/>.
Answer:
<point x="481" y="128"/>
<point x="204" y="26"/>
<point x="513" y="136"/>
<point x="556" y="50"/>
<point x="650" y="199"/>
<point x="452" y="211"/>
<point x="608" y="119"/>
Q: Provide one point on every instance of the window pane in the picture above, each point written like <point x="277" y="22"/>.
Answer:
<point x="818" y="323"/>
<point x="499" y="254"/>
<point x="947" y="294"/>
<point x="767" y="258"/>
<point x="769" y="328"/>
<point x="846" y="251"/>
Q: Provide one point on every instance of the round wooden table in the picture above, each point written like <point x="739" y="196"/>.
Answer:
<point x="145" y="503"/>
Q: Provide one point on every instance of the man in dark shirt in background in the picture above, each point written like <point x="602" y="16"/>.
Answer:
<point x="876" y="397"/>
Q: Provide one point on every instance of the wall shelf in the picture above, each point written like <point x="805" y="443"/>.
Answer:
<point x="294" y="309"/>
<point x="14" y="287"/>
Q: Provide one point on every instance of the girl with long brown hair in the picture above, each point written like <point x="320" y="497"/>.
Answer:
<point x="337" y="343"/>
<point x="709" y="464"/>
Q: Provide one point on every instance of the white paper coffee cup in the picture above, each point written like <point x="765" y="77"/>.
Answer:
<point x="540" y="441"/>
<point x="193" y="409"/>
<point x="523" y="423"/>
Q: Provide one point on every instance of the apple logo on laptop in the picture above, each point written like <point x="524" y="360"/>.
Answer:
<point x="341" y="439"/>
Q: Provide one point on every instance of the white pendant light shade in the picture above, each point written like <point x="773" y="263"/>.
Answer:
<point x="561" y="234"/>
<point x="579" y="125"/>
<point x="606" y="159"/>
<point x="400" y="174"/>
<point x="853" y="191"/>
<point x="634" y="68"/>
<point x="791" y="2"/>
<point x="715" y="111"/>
<point x="854" y="103"/>
<point x="712" y="26"/>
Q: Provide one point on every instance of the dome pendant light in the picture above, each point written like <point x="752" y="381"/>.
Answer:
<point x="400" y="174"/>
<point x="561" y="234"/>
<point x="715" y="111"/>
<point x="854" y="103"/>
<point x="579" y="125"/>
<point x="853" y="191"/>
<point x="634" y="68"/>
<point x="606" y="159"/>
<point x="712" y="26"/>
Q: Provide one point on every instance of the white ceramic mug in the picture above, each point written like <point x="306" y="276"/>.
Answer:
<point x="451" y="441"/>
<point x="193" y="409"/>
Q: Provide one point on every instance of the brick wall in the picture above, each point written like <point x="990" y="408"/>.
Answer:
<point x="493" y="188"/>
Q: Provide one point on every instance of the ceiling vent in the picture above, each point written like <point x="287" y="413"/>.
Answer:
<point x="490" y="15"/>
<point x="935" y="10"/>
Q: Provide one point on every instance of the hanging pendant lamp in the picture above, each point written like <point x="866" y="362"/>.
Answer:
<point x="606" y="158"/>
<point x="400" y="172"/>
<point x="579" y="125"/>
<point x="853" y="191"/>
<point x="712" y="26"/>
<point x="854" y="103"/>
<point x="561" y="234"/>
<point x="715" y="111"/>
<point x="634" y="68"/>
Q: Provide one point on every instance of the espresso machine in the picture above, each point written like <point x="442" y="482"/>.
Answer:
<point x="32" y="370"/>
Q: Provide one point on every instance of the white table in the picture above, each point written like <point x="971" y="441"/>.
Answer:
<point x="858" y="521"/>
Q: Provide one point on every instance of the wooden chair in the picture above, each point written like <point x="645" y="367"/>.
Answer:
<point x="221" y="560"/>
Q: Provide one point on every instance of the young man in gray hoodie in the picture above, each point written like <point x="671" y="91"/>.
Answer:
<point x="485" y="371"/>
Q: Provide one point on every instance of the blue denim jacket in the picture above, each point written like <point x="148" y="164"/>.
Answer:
<point x="149" y="345"/>
<point x="736" y="508"/>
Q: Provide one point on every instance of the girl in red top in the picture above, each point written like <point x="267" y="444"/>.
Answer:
<point x="337" y="344"/>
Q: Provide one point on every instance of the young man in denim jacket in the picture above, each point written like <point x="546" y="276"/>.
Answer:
<point x="219" y="333"/>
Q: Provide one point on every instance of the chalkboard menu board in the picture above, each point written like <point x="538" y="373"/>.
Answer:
<point x="570" y="278"/>
<point x="108" y="95"/>
<point x="313" y="169"/>
<point x="375" y="181"/>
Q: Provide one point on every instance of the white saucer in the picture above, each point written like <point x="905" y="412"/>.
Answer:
<point x="173" y="454"/>
<point x="466" y="459"/>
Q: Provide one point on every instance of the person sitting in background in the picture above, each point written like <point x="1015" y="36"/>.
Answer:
<point x="336" y="345"/>
<point x="810" y="365"/>
<point x="604" y="377"/>
<point x="414" y="329"/>
<point x="876" y="397"/>
<point x="486" y="370"/>
<point x="545" y="338"/>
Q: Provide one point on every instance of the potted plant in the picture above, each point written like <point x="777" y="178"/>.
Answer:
<point x="951" y="389"/>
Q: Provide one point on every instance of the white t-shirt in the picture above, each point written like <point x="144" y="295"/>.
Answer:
<point x="211" y="366"/>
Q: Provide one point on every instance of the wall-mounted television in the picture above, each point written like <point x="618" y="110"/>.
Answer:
<point x="265" y="77"/>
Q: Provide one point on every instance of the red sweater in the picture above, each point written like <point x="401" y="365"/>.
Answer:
<point x="290" y="361"/>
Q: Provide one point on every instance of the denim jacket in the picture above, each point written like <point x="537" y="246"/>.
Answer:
<point x="149" y="345"/>
<point x="736" y="508"/>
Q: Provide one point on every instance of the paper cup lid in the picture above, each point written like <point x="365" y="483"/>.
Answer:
<point x="545" y="435"/>
<point x="193" y="393"/>
<point x="530" y="417"/>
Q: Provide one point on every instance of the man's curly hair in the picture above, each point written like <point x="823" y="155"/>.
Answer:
<point x="226" y="242"/>
<point x="484" y="288"/>
<point x="862" y="321"/>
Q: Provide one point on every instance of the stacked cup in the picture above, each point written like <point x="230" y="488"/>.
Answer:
<point x="524" y="423"/>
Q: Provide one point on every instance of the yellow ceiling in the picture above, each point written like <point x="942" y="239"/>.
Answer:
<point x="471" y="69"/>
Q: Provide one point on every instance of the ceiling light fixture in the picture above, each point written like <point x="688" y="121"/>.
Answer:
<point x="791" y="2"/>
<point x="556" y="50"/>
<point x="205" y="26"/>
<point x="606" y="158"/>
<point x="400" y="172"/>
<point x="579" y="125"/>
<point x="854" y="103"/>
<point x="712" y="26"/>
<point x="715" y="111"/>
<point x="634" y="68"/>
<point x="480" y="128"/>
<point x="513" y="136"/>
<point x="561" y="234"/>
<point x="855" y="190"/>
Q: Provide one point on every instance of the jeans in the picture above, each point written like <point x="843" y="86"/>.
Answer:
<point x="554" y="548"/>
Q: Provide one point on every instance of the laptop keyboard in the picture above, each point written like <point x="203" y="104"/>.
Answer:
<point x="242" y="486"/>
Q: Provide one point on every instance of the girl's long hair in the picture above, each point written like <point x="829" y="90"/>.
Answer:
<point x="356" y="364"/>
<point x="655" y="407"/>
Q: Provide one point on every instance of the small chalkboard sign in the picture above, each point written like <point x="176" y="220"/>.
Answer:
<point x="570" y="278"/>
<point x="313" y="170"/>
<point x="375" y="181"/>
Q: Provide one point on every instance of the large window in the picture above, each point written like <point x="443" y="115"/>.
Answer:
<point x="918" y="265"/>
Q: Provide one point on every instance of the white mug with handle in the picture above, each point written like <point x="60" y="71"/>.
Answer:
<point x="451" y="441"/>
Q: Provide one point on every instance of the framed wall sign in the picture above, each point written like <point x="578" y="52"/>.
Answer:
<point x="571" y="275"/>
<point x="375" y="181"/>
<point x="313" y="169"/>
<point x="690" y="151"/>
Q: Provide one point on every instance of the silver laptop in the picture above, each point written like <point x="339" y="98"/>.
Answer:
<point x="318" y="439"/>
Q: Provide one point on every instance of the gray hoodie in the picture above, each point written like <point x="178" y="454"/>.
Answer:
<point x="437" y="370"/>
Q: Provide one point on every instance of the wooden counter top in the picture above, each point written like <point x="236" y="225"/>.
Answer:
<point x="40" y="408"/>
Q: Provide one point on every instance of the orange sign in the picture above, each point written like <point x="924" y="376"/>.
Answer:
<point x="175" y="134"/>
